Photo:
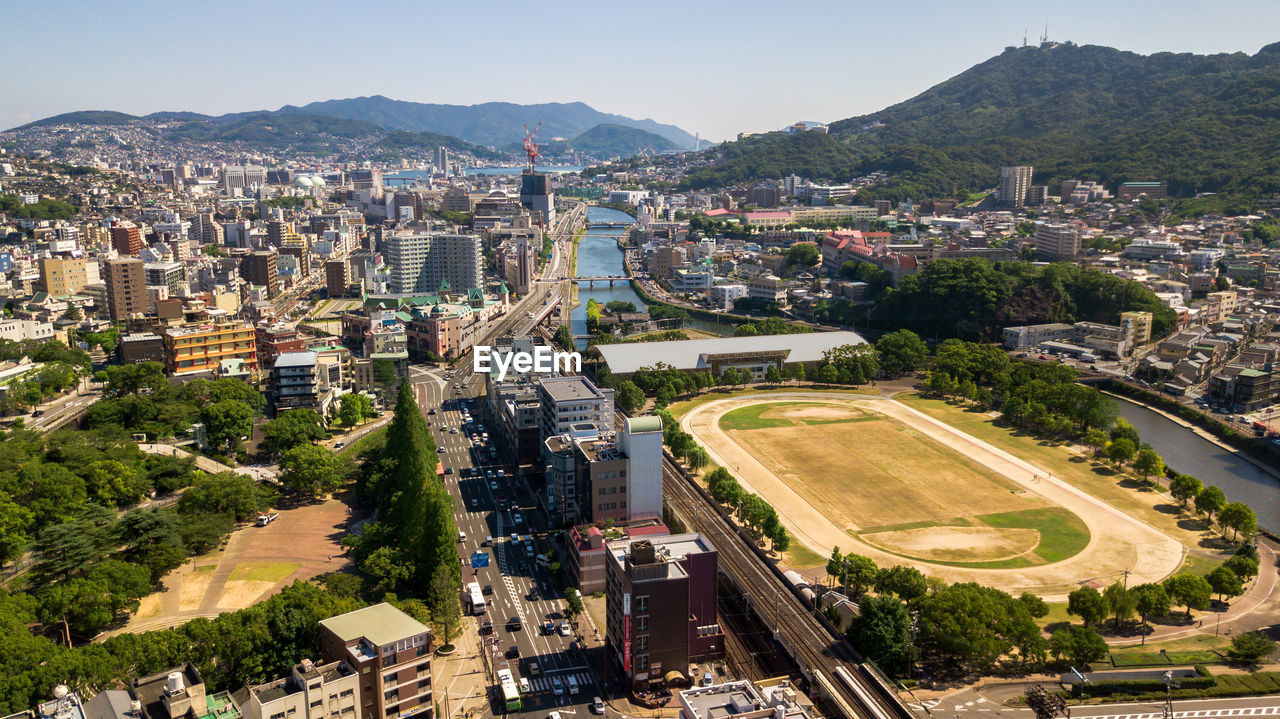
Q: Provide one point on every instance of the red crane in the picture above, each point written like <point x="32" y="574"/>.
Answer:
<point x="530" y="147"/>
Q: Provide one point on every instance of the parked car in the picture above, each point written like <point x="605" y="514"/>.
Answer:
<point x="564" y="629"/>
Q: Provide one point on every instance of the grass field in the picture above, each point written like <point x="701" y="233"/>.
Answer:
<point x="790" y="414"/>
<point x="799" y="556"/>
<point x="871" y="471"/>
<point x="1005" y="540"/>
<point x="262" y="571"/>
<point x="1093" y="477"/>
<point x="680" y="409"/>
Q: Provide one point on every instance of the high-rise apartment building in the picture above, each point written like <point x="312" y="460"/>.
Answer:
<point x="165" y="274"/>
<point x="441" y="160"/>
<point x="421" y="263"/>
<point x="126" y="288"/>
<point x="392" y="653"/>
<point x="126" y="238"/>
<point x="1057" y="242"/>
<point x="259" y="268"/>
<point x="337" y="277"/>
<point x="203" y="348"/>
<point x="311" y="691"/>
<point x="1015" y="182"/>
<point x="63" y="276"/>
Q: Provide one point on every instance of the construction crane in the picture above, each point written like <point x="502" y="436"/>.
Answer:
<point x="531" y="147"/>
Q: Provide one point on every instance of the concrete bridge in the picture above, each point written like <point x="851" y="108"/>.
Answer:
<point x="591" y="281"/>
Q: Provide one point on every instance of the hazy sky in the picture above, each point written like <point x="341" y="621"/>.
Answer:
<point x="716" y="68"/>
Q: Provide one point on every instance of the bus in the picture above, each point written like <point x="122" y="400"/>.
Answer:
<point x="510" y="690"/>
<point x="475" y="598"/>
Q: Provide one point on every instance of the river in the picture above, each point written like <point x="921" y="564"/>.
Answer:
<point x="409" y="176"/>
<point x="1189" y="453"/>
<point x="598" y="256"/>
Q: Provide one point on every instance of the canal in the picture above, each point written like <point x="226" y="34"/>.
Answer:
<point x="1189" y="453"/>
<point x="598" y="256"/>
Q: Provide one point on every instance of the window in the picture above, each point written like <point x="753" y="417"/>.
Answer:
<point x="278" y="716"/>
<point x="642" y="624"/>
<point x="316" y="704"/>
<point x="424" y="683"/>
<point x="642" y="603"/>
<point x="641" y="644"/>
<point x="292" y="711"/>
<point x="392" y="695"/>
<point x="346" y="693"/>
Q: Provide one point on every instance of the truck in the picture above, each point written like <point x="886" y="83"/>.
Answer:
<point x="267" y="517"/>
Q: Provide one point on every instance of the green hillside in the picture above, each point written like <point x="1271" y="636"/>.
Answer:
<point x="83" y="117"/>
<point x="1204" y="123"/>
<point x="609" y="140"/>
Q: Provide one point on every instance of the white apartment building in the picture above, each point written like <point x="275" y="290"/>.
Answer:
<point x="327" y="691"/>
<point x="566" y="401"/>
<point x="722" y="296"/>
<point x="421" y="263"/>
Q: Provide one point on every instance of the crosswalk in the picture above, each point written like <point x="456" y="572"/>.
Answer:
<point x="544" y="683"/>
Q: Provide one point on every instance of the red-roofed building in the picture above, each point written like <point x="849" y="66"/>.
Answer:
<point x="851" y="245"/>
<point x="768" y="218"/>
<point x="586" y="566"/>
<point x="720" y="213"/>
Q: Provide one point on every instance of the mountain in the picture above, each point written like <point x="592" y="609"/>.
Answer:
<point x="492" y="123"/>
<point x="610" y="140"/>
<point x="269" y="129"/>
<point x="83" y="117"/>
<point x="1201" y="122"/>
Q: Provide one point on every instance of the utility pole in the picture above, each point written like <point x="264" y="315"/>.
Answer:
<point x="1169" y="686"/>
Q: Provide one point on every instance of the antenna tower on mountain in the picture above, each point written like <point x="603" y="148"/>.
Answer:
<point x="530" y="147"/>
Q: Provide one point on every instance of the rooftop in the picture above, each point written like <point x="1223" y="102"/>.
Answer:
<point x="694" y="354"/>
<point x="295" y="359"/>
<point x="569" y="389"/>
<point x="381" y="624"/>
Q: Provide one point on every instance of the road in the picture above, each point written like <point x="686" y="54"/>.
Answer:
<point x="62" y="410"/>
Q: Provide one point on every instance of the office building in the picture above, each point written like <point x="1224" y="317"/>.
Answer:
<point x="441" y="161"/>
<point x="259" y="268"/>
<point x="126" y="238"/>
<point x="243" y="176"/>
<point x="537" y="196"/>
<point x="1137" y="326"/>
<point x="520" y="264"/>
<point x="126" y="288"/>
<point x="295" y="383"/>
<point x="180" y="694"/>
<point x="431" y="262"/>
<point x="619" y="477"/>
<point x="775" y="698"/>
<point x="169" y="275"/>
<point x="63" y="276"/>
<point x="660" y="607"/>
<point x="276" y="338"/>
<point x="203" y="348"/>
<point x="1130" y="190"/>
<point x="140" y="347"/>
<point x="337" y="277"/>
<point x="566" y="401"/>
<point x="311" y="691"/>
<point x="764" y="196"/>
<point x="455" y="199"/>
<point x="391" y="651"/>
<point x="365" y="179"/>
<point x="1015" y="182"/>
<point x="1057" y="242"/>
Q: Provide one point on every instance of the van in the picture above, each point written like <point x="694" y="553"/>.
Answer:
<point x="706" y="679"/>
<point x="573" y="684"/>
<point x="524" y="686"/>
<point x="542" y="561"/>
<point x="462" y="536"/>
<point x="488" y="541"/>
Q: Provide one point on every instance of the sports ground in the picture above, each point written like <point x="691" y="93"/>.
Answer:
<point x="871" y="475"/>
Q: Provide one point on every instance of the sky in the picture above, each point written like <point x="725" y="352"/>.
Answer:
<point x="713" y="68"/>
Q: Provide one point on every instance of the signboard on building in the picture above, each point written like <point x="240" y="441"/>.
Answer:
<point x="626" y="634"/>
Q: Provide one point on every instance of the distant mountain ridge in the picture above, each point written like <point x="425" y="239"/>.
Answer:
<point x="1201" y="122"/>
<point x="491" y="123"/>
<point x="609" y="140"/>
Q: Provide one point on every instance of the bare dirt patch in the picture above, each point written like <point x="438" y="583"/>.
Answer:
<point x="956" y="544"/>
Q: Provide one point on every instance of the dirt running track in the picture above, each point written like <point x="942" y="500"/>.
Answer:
<point x="1118" y="542"/>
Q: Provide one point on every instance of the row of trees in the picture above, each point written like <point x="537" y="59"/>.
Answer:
<point x="757" y="514"/>
<point x="411" y="546"/>
<point x="60" y="369"/>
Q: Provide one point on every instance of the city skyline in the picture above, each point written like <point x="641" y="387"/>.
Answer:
<point x="681" y="71"/>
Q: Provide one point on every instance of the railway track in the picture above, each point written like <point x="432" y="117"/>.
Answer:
<point x="838" y="679"/>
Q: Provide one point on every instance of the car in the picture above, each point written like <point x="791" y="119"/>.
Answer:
<point x="597" y="705"/>
<point x="339" y="445"/>
<point x="493" y="486"/>
<point x="517" y="518"/>
<point x="513" y="652"/>
<point x="475" y="503"/>
<point x="431" y="411"/>
<point x="554" y="715"/>
<point x="440" y="450"/>
<point x="488" y="590"/>
<point x="533" y="668"/>
<point x="448" y="470"/>
<point x="548" y="628"/>
<point x="557" y="686"/>
<point x="513" y="624"/>
<point x="524" y="686"/>
<point x="515" y="537"/>
<point x="564" y="629"/>
<point x="502" y="473"/>
<point x="528" y="550"/>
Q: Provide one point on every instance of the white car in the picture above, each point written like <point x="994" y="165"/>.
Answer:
<point x="564" y="629"/>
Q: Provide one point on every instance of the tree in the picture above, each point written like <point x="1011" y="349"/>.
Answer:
<point x="905" y="582"/>
<point x="1209" y="500"/>
<point x="572" y="602"/>
<point x="828" y="374"/>
<point x="73" y="313"/>
<point x="630" y="396"/>
<point x="1242" y="566"/>
<point x="1120" y="602"/>
<point x="901" y="351"/>
<point x="1190" y="590"/>
<point x="1079" y="645"/>
<point x="1095" y="439"/>
<point x="292" y="428"/>
<point x="799" y="372"/>
<point x="350" y="410"/>
<point x="1036" y="606"/>
<point x="1240" y="518"/>
<point x="312" y="470"/>
<point x="698" y="458"/>
<point x="882" y="632"/>
<point x="1120" y="450"/>
<point x="204" y="532"/>
<point x="859" y="573"/>
<point x="1250" y="648"/>
<point x="125" y="583"/>
<point x="222" y="493"/>
<point x="1121" y="429"/>
<point x="835" y="565"/>
<point x="1184" y="488"/>
<point x="226" y="422"/>
<point x="1150" y="600"/>
<point x="1224" y="582"/>
<point x="1148" y="463"/>
<point x="803" y="254"/>
<point x="1087" y="604"/>
<point x="969" y="627"/>
<point x="772" y="375"/>
<point x="446" y="607"/>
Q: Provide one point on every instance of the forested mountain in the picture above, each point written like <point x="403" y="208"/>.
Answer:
<point x="1204" y="123"/>
<point x="609" y="140"/>
<point x="491" y="123"/>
